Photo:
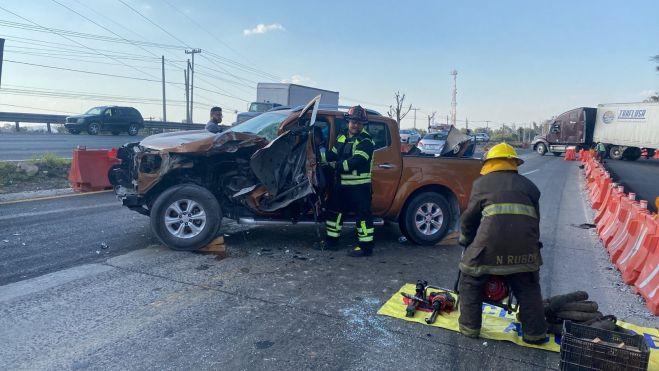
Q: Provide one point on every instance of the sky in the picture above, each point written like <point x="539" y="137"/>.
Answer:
<point x="517" y="61"/>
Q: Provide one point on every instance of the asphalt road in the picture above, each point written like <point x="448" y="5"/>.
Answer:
<point x="26" y="146"/>
<point x="274" y="303"/>
<point x="640" y="176"/>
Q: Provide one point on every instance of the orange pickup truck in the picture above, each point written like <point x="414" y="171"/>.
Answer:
<point x="265" y="171"/>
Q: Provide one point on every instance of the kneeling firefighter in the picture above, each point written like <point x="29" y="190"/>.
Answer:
<point x="501" y="230"/>
<point x="353" y="157"/>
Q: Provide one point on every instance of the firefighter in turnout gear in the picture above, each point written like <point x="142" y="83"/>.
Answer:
<point x="353" y="156"/>
<point x="500" y="231"/>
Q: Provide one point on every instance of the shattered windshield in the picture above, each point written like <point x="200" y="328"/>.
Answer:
<point x="264" y="125"/>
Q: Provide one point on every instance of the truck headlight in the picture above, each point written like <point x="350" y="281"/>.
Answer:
<point x="150" y="163"/>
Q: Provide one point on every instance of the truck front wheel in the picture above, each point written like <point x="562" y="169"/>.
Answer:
<point x="186" y="217"/>
<point x="541" y="149"/>
<point x="616" y="152"/>
<point x="426" y="218"/>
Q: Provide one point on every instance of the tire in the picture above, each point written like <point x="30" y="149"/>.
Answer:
<point x="116" y="132"/>
<point x="133" y="129"/>
<point x="94" y="128"/>
<point x="557" y="154"/>
<point x="74" y="131"/>
<point x="631" y="154"/>
<point x="173" y="204"/>
<point x="615" y="153"/>
<point x="541" y="148"/>
<point x="417" y="217"/>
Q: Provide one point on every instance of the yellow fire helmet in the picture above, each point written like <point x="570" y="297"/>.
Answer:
<point x="502" y="150"/>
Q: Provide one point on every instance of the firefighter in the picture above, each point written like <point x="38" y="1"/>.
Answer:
<point x="500" y="231"/>
<point x="353" y="155"/>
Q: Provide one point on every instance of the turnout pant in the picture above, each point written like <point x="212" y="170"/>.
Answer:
<point x="526" y="288"/>
<point x="346" y="199"/>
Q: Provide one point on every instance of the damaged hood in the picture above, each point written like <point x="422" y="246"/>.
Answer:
<point x="201" y="141"/>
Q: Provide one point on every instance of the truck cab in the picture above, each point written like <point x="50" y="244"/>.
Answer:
<point x="573" y="128"/>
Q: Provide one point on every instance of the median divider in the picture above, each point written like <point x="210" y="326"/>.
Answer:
<point x="635" y="253"/>
<point x="570" y="154"/>
<point x="628" y="231"/>
<point x="89" y="169"/>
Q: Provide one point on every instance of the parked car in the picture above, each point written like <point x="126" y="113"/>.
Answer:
<point x="409" y="136"/>
<point x="106" y="118"/>
<point x="433" y="143"/>
<point x="481" y="137"/>
<point x="265" y="171"/>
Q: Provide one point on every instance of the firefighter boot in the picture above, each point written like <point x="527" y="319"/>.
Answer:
<point x="331" y="243"/>
<point x="360" y="251"/>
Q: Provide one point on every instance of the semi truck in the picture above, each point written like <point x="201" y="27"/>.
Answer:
<point x="626" y="129"/>
<point x="271" y="95"/>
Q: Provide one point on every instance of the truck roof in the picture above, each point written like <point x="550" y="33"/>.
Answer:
<point x="281" y="84"/>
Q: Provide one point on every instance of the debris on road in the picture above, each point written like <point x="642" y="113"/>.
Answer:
<point x="104" y="245"/>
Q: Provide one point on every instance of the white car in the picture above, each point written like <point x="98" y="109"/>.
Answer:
<point x="409" y="136"/>
<point x="433" y="143"/>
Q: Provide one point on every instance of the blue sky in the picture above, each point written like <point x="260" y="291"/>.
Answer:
<point x="517" y="61"/>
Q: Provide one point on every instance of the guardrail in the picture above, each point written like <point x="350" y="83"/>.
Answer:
<point x="18" y="117"/>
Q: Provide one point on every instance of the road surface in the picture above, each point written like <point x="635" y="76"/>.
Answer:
<point x="26" y="146"/>
<point x="274" y="303"/>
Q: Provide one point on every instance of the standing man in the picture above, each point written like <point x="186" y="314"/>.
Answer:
<point x="601" y="151"/>
<point x="353" y="154"/>
<point x="501" y="230"/>
<point x="216" y="118"/>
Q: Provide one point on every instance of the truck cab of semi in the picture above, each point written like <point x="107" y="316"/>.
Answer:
<point x="573" y="128"/>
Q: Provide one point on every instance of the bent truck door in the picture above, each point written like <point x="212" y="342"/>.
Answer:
<point x="387" y="167"/>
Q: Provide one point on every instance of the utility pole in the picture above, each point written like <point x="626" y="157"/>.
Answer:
<point x="193" y="52"/>
<point x="415" y="109"/>
<point x="164" y="102"/>
<point x="2" y="48"/>
<point x="454" y="94"/>
<point x="187" y="94"/>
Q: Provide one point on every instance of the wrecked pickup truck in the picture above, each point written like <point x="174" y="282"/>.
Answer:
<point x="265" y="171"/>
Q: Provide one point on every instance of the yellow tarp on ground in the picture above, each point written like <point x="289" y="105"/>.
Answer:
<point x="499" y="325"/>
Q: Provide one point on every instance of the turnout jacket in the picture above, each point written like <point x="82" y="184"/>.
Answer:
<point x="353" y="156"/>
<point x="501" y="226"/>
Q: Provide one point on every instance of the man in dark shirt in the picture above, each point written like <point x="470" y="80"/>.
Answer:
<point x="216" y="118"/>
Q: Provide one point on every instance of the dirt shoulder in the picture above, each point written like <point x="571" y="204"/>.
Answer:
<point x="40" y="173"/>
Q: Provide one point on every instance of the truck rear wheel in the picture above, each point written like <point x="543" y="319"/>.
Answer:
<point x="632" y="154"/>
<point x="426" y="218"/>
<point x="541" y="149"/>
<point x="186" y="217"/>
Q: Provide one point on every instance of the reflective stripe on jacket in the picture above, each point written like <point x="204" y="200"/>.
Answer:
<point x="501" y="226"/>
<point x="354" y="157"/>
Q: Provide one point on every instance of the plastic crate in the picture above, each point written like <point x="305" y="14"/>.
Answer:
<point x="579" y="352"/>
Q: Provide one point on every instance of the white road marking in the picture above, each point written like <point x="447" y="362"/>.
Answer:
<point x="531" y="172"/>
<point x="40" y="284"/>
<point x="53" y="197"/>
<point x="71" y="210"/>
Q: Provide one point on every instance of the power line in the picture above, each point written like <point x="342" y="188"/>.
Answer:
<point x="211" y="34"/>
<point x="74" y="41"/>
<point x="82" y="35"/>
<point x="87" y="72"/>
